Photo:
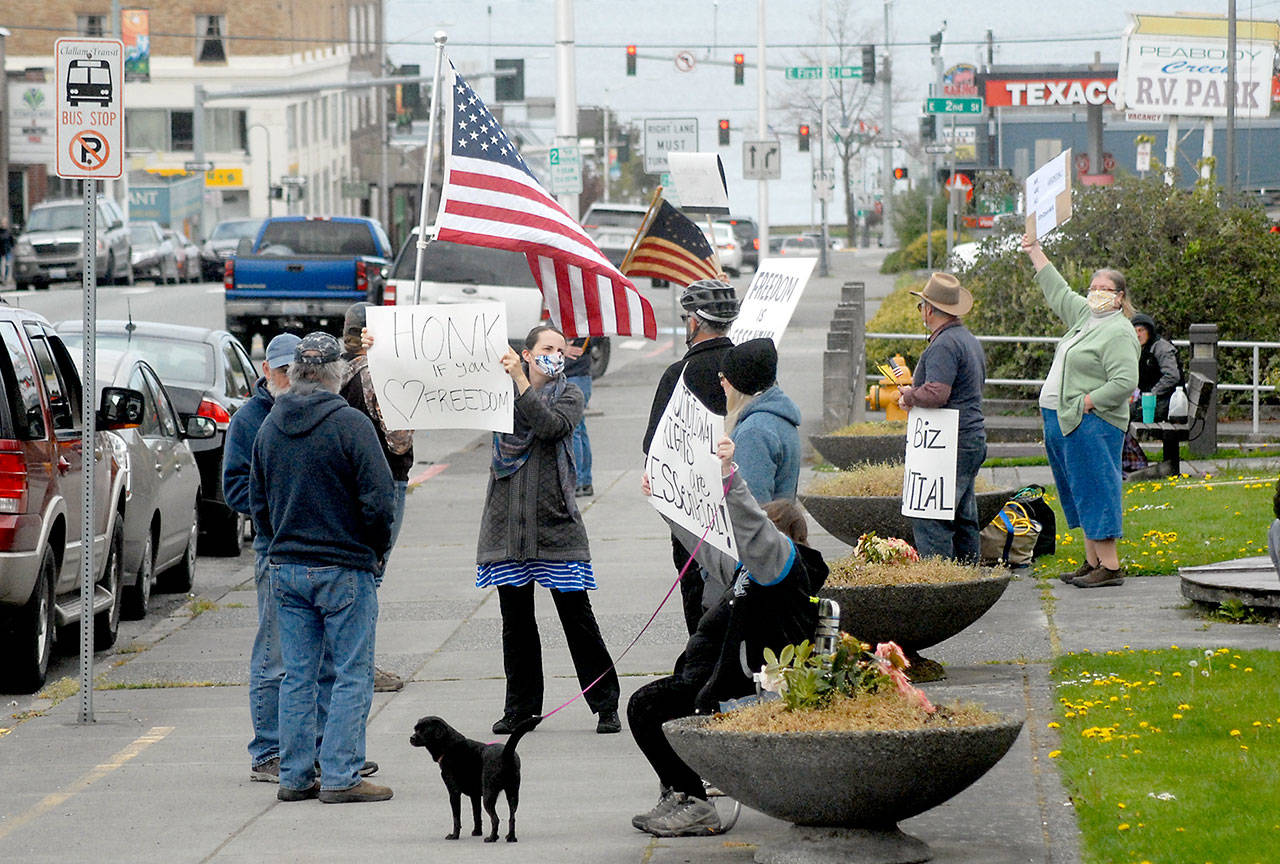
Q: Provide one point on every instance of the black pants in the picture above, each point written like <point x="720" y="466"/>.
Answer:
<point x="522" y="650"/>
<point x="650" y="707"/>
<point x="690" y="585"/>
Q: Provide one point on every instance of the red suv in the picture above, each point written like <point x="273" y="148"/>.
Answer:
<point x="41" y="490"/>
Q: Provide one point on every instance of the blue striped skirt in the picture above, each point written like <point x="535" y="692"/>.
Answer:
<point x="553" y="575"/>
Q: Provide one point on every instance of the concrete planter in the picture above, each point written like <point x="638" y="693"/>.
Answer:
<point x="850" y="451"/>
<point x="848" y="517"/>
<point x="845" y="791"/>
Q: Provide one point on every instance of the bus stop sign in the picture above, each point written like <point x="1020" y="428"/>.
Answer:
<point x="90" y="105"/>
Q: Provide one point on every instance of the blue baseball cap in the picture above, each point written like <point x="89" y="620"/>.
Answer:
<point x="280" y="350"/>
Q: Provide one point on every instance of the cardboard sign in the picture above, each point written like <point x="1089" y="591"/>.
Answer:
<point x="700" y="179"/>
<point x="1049" y="195"/>
<point x="684" y="471"/>
<point x="440" y="366"/>
<point x="929" y="479"/>
<point x="771" y="299"/>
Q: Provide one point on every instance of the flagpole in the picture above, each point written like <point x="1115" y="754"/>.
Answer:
<point x="440" y="38"/>
<point x="644" y="226"/>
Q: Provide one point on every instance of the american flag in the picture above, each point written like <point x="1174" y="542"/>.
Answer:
<point x="672" y="247"/>
<point x="491" y="198"/>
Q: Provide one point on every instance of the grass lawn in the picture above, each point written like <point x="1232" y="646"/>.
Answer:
<point x="1172" y="755"/>
<point x="1178" y="522"/>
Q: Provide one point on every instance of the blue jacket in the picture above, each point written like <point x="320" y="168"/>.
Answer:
<point x="321" y="489"/>
<point x="766" y="439"/>
<point x="237" y="453"/>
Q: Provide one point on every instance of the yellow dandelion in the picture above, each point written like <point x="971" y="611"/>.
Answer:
<point x="1057" y="725"/>
<point x="1123" y="826"/>
<point x="1235" y="733"/>
<point x="1054" y="754"/>
<point x="1177" y="716"/>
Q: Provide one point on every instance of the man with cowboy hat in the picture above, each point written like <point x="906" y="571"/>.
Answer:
<point x="950" y="374"/>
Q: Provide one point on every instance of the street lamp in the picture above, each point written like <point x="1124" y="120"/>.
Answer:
<point x="265" y="131"/>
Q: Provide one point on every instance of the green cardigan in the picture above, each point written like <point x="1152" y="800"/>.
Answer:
<point x="1104" y="363"/>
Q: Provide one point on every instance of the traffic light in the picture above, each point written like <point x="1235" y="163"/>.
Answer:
<point x="724" y="133"/>
<point x="631" y="60"/>
<point x="804" y="137"/>
<point x="899" y="173"/>
<point x="739" y="68"/>
<point x="868" y="64"/>
<point x="929" y="128"/>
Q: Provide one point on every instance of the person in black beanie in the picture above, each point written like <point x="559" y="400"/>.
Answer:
<point x="762" y="421"/>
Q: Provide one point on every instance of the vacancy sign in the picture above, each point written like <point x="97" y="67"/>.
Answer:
<point x="90" y="103"/>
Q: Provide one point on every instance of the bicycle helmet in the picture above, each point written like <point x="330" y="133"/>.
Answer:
<point x="711" y="300"/>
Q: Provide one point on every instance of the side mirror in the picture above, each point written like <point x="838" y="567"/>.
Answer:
<point x="245" y="246"/>
<point x="200" y="428"/>
<point x="121" y="407"/>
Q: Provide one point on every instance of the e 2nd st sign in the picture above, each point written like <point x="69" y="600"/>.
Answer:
<point x="90" y="108"/>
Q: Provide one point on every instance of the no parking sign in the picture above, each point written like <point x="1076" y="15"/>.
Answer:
<point x="90" y="100"/>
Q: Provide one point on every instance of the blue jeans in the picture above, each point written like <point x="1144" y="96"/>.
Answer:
<point x="397" y="521"/>
<point x="957" y="538"/>
<point x="582" y="441"/>
<point x="322" y="610"/>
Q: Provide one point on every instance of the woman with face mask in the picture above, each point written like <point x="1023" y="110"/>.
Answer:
<point x="532" y="533"/>
<point x="1085" y="406"/>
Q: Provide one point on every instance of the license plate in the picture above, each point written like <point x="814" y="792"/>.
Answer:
<point x="293" y="308"/>
<point x="57" y="272"/>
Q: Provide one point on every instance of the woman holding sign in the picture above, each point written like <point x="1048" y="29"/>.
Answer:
<point x="532" y="532"/>
<point x="1085" y="405"/>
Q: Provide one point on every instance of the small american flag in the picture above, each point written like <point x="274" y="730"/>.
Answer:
<point x="491" y="198"/>
<point x="672" y="247"/>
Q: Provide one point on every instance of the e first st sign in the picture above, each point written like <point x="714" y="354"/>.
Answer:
<point x="90" y="105"/>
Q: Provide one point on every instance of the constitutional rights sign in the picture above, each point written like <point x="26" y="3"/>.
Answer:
<point x="684" y="471"/>
<point x="440" y="366"/>
<point x="771" y="299"/>
<point x="929" y="479"/>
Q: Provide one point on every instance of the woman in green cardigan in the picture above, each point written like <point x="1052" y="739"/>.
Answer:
<point x="1085" y="406"/>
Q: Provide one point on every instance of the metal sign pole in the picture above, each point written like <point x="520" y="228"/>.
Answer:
<point x="87" y="449"/>
<point x="440" y="38"/>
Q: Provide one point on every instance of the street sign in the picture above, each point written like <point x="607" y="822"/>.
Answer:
<point x="685" y="61"/>
<point x="566" y="170"/>
<point x="936" y="149"/>
<point x="662" y="135"/>
<point x="761" y="160"/>
<point x="888" y="143"/>
<point x="806" y="73"/>
<point x="293" y="180"/>
<point x="824" y="183"/>
<point x="193" y="167"/>
<point x="954" y="105"/>
<point x="90" y="100"/>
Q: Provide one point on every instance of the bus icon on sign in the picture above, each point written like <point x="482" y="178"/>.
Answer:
<point x="89" y="81"/>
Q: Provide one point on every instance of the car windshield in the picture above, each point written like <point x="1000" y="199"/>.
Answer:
<point x="235" y="230"/>
<point x="614" y="218"/>
<point x="176" y="361"/>
<point x="143" y="234"/>
<point x="455" y="262"/>
<point x="61" y="218"/>
<point x="314" y="237"/>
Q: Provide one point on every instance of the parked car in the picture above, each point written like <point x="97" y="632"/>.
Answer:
<point x="727" y="247"/>
<point x="162" y="484"/>
<point x="613" y="227"/>
<point x="748" y="235"/>
<point x="153" y="255"/>
<point x="801" y="246"/>
<point x="49" y="249"/>
<point x="188" y="255"/>
<point x="41" y="500"/>
<point x="208" y="373"/>
<point x="221" y="245"/>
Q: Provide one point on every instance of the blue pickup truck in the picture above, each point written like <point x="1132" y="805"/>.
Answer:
<point x="300" y="273"/>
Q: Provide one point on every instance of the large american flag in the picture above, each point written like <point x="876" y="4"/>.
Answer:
<point x="491" y="198"/>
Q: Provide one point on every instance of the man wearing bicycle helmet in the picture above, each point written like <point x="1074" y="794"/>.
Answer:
<point x="710" y="307"/>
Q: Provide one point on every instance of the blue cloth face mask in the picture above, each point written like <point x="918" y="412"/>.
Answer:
<point x="550" y="365"/>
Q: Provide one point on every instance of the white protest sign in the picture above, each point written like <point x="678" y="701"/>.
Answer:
<point x="684" y="471"/>
<point x="1049" y="195"/>
<point x="771" y="299"/>
<point x="440" y="366"/>
<point x="929" y="479"/>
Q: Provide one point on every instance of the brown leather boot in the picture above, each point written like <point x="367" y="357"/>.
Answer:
<point x="1100" y="577"/>
<point x="1083" y="570"/>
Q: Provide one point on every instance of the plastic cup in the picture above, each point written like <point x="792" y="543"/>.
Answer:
<point x="1148" y="407"/>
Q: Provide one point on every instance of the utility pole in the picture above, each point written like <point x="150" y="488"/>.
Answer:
<point x="1231" y="99"/>
<point x="887" y="237"/>
<point x="762" y="129"/>
<point x="5" y="122"/>
<point x="566" y="91"/>
<point x="824" y="263"/>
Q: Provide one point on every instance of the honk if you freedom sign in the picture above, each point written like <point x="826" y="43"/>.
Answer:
<point x="684" y="471"/>
<point x="440" y="366"/>
<point x="929" y="479"/>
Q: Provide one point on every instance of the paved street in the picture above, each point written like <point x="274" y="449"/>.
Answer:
<point x="163" y="774"/>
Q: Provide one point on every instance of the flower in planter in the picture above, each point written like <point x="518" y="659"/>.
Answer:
<point x="884" y="550"/>
<point x="807" y="681"/>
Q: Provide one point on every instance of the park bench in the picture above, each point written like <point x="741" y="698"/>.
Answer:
<point x="1173" y="432"/>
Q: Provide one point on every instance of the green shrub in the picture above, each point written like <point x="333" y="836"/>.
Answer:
<point x="915" y="254"/>
<point x="897" y="314"/>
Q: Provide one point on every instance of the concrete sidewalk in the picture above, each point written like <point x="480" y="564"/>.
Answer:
<point x="163" y="774"/>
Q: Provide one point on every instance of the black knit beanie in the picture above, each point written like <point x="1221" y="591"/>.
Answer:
<point x="751" y="367"/>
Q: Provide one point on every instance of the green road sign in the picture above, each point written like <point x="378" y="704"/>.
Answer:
<point x="844" y="71"/>
<point x="967" y="105"/>
<point x="804" y="73"/>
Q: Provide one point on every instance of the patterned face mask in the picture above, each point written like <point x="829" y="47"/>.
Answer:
<point x="1102" y="301"/>
<point x="550" y="365"/>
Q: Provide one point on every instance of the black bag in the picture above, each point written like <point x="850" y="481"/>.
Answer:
<point x="1032" y="498"/>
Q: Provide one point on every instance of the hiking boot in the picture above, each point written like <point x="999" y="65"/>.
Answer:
<point x="690" y="817"/>
<point x="284" y="793"/>
<point x="359" y="793"/>
<point x="667" y="802"/>
<point x="266" y="772"/>
<point x="1083" y="570"/>
<point x="386" y="682"/>
<point x="608" y="723"/>
<point x="1101" y="577"/>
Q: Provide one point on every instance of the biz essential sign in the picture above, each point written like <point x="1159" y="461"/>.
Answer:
<point x="1050" y="91"/>
<point x="1177" y="65"/>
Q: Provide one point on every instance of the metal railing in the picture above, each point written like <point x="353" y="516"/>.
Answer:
<point x="1254" y="386"/>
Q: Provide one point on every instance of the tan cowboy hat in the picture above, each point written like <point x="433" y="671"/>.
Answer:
<point x="944" y="292"/>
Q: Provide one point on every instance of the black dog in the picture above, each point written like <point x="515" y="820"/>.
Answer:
<point x="474" y="769"/>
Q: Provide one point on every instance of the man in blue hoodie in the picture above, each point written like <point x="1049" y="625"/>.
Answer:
<point x="322" y="494"/>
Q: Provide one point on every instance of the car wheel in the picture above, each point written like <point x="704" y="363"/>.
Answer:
<point x="24" y="286"/>
<point x="183" y="576"/>
<point x="31" y="634"/>
<point x="137" y="597"/>
<point x="106" y="624"/>
<point x="600" y="350"/>
<point x="225" y="537"/>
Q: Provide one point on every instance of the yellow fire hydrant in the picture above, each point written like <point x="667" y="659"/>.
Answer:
<point x="883" y="395"/>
